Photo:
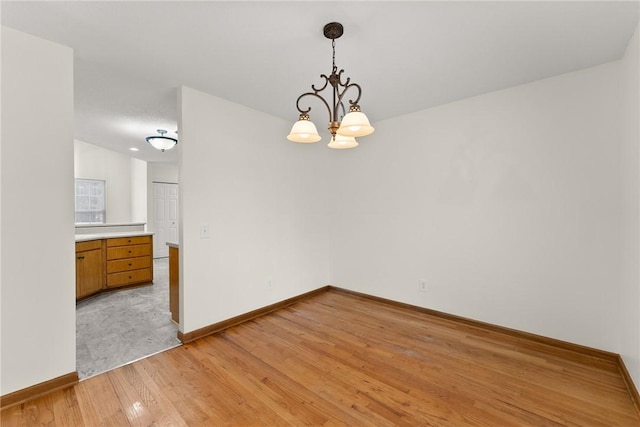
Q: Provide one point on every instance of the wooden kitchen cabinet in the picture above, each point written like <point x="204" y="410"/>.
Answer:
<point x="129" y="261"/>
<point x="105" y="264"/>
<point x="89" y="268"/>
<point x="174" y="282"/>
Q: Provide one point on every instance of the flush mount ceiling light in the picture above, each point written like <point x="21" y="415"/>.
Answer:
<point x="354" y="124"/>
<point x="161" y="142"/>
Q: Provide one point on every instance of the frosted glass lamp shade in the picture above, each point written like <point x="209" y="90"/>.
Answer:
<point x="161" y="142"/>
<point x="304" y="131"/>
<point x="341" y="142"/>
<point x="355" y="124"/>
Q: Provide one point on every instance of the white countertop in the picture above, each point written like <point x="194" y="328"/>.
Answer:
<point x="111" y="224"/>
<point x="173" y="245"/>
<point x="98" y="236"/>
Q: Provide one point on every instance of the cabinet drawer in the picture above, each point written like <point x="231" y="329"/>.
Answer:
<point x="88" y="245"/>
<point x="128" y="251"/>
<point x="129" y="277"/>
<point x="123" y="241"/>
<point x="128" y="264"/>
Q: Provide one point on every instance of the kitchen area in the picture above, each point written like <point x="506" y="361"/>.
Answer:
<point x="126" y="213"/>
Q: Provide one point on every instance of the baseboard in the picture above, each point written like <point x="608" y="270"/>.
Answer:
<point x="633" y="391"/>
<point x="21" y="396"/>
<point x="225" y="324"/>
<point x="550" y="342"/>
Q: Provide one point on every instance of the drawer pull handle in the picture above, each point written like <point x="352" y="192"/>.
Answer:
<point x="129" y="264"/>
<point x="129" y="241"/>
<point x="129" y="277"/>
<point x="129" y="251"/>
<point x="80" y="257"/>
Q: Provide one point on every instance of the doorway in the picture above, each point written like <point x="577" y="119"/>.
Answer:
<point x="118" y="327"/>
<point x="165" y="211"/>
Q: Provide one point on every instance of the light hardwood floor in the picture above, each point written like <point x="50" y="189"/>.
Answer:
<point x="339" y="359"/>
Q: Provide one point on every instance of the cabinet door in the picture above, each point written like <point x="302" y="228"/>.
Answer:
<point x="89" y="272"/>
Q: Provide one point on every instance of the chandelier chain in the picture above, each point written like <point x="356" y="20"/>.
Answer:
<point x="333" y="46"/>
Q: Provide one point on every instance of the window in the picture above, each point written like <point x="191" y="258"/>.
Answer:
<point x="90" y="201"/>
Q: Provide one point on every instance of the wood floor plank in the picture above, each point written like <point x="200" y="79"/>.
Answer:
<point x="99" y="402"/>
<point x="150" y="406"/>
<point x="266" y="383"/>
<point x="190" y="401"/>
<point x="389" y="372"/>
<point x="206" y="393"/>
<point x="342" y="359"/>
<point x="399" y="373"/>
<point x="316" y="377"/>
<point x="67" y="409"/>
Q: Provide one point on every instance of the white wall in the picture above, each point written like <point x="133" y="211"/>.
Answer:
<point x="93" y="162"/>
<point x="139" y="199"/>
<point x="38" y="284"/>
<point x="164" y="172"/>
<point x="630" y="161"/>
<point x="264" y="200"/>
<point x="507" y="204"/>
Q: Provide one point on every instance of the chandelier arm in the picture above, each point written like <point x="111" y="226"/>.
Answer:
<point x="346" y="89"/>
<point x="309" y="109"/>
<point x="338" y="77"/>
<point x="326" y="82"/>
<point x="344" y="111"/>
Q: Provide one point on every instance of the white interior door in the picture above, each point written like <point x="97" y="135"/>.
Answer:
<point x="165" y="207"/>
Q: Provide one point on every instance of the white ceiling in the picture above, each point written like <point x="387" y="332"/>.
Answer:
<point x="131" y="56"/>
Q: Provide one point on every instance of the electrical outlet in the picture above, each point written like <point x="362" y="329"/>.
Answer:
<point x="269" y="284"/>
<point x="204" y="231"/>
<point x="422" y="285"/>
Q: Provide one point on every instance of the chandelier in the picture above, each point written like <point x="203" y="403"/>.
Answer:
<point x="353" y="124"/>
<point x="161" y="142"/>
